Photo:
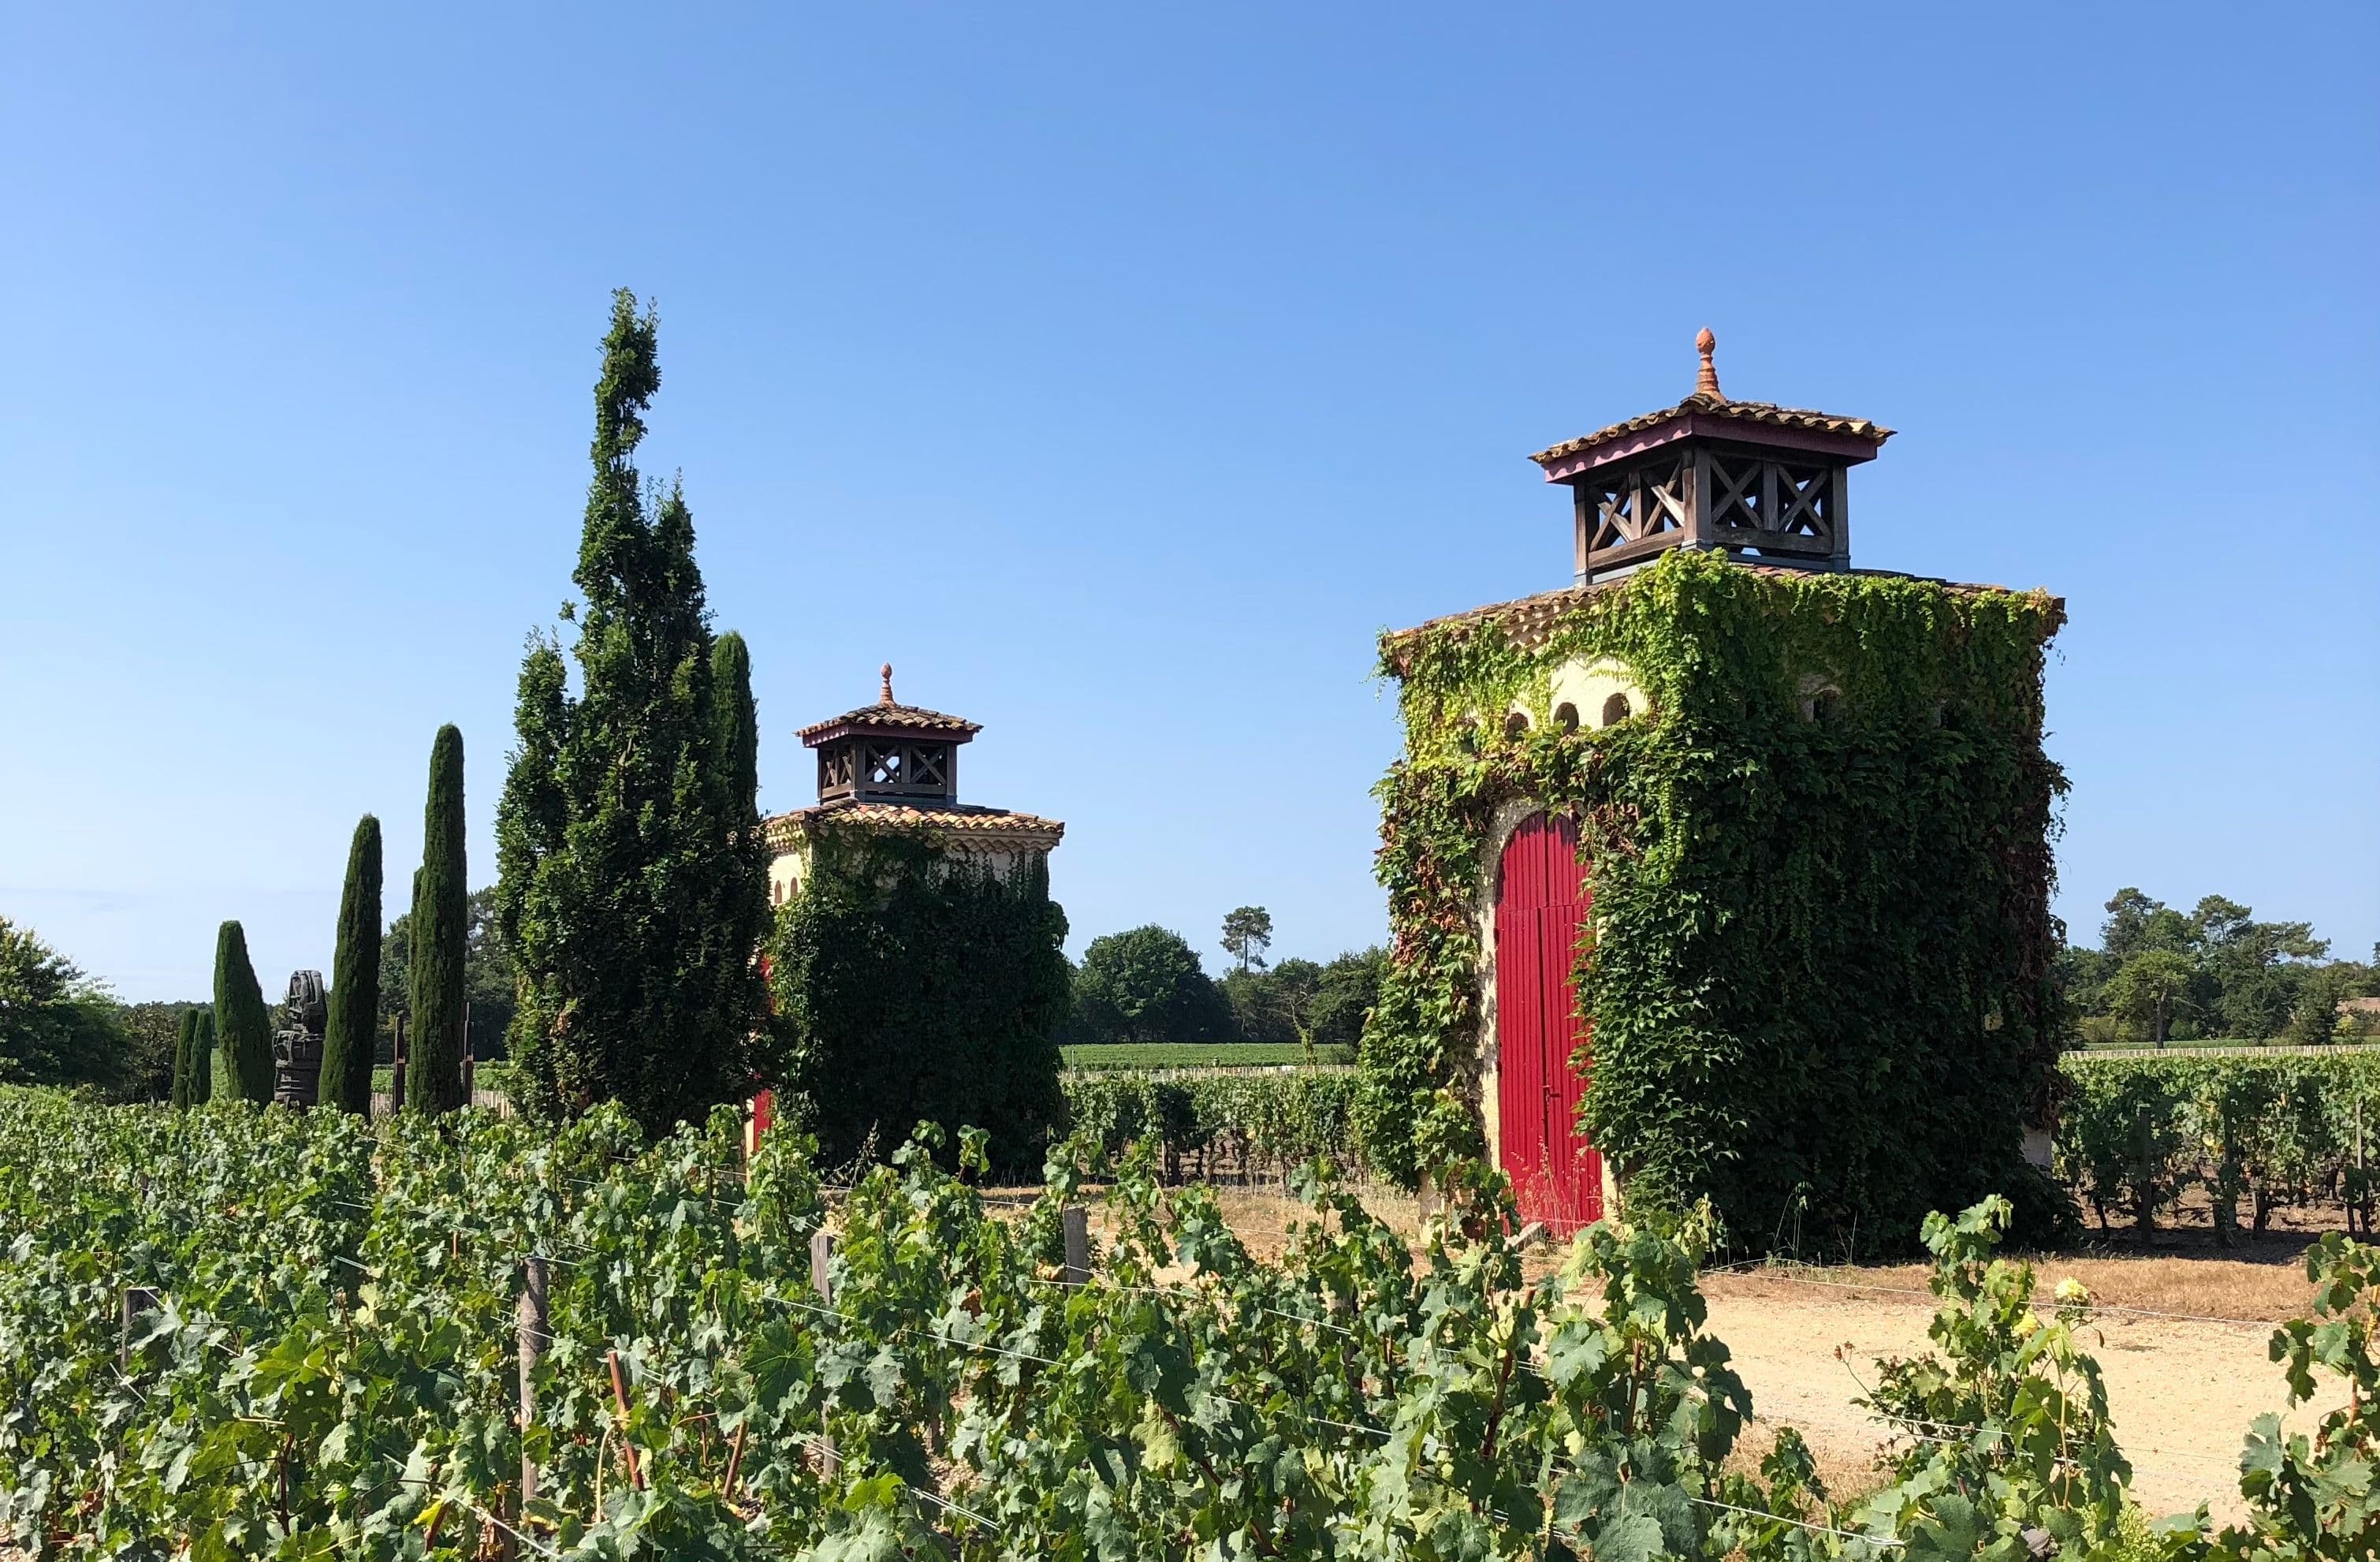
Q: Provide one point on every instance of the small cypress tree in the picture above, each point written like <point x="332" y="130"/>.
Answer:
<point x="186" y="1059"/>
<point x="243" y="1049"/>
<point x="203" y="1055"/>
<point x="354" y="979"/>
<point x="441" y="924"/>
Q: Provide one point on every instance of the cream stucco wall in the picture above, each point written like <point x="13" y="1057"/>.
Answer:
<point x="1588" y="686"/>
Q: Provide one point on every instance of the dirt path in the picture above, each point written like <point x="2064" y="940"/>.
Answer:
<point x="2182" y="1390"/>
<point x="2181" y="1393"/>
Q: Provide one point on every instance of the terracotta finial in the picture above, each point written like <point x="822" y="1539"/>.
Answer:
<point x="1706" y="381"/>
<point x="886" y="698"/>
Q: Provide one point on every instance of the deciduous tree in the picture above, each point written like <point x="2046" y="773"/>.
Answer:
<point x="57" y="1026"/>
<point x="1147" y="985"/>
<point x="2151" y="989"/>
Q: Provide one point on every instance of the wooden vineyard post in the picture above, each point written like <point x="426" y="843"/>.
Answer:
<point x="821" y="1259"/>
<point x="2144" y="1193"/>
<point x="535" y="1329"/>
<point x="2362" y="1182"/>
<point x="1078" y="1244"/>
<point x="822" y="1282"/>
<point x="620" y="1402"/>
<point x="139" y="1301"/>
<point x="396" y="1071"/>
<point x="470" y="1062"/>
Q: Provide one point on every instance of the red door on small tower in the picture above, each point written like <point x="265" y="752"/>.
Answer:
<point x="1541" y="902"/>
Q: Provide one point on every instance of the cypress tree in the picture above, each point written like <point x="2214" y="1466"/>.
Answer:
<point x="740" y="919"/>
<point x="243" y="1049"/>
<point x="186" y="1055"/>
<point x="354" y="978"/>
<point x="632" y="888"/>
<point x="203" y="1055"/>
<point x="441" y="931"/>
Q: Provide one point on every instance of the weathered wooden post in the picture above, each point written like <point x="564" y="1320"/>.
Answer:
<point x="471" y="1059"/>
<point x="1078" y="1225"/>
<point x="822" y="1282"/>
<point x="396" y="1071"/>
<point x="2144" y="1185"/>
<point x="620" y="1403"/>
<point x="139" y="1301"/>
<point x="536" y="1331"/>
<point x="821" y="1262"/>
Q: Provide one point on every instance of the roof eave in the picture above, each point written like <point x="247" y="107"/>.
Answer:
<point x="1567" y="462"/>
<point x="850" y="726"/>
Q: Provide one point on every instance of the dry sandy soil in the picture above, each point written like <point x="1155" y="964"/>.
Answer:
<point x="2181" y="1337"/>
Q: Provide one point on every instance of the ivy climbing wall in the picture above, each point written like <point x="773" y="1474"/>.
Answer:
<point x="914" y="983"/>
<point x="1817" y="974"/>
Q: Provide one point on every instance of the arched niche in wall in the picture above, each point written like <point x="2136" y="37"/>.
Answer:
<point x="1599" y="693"/>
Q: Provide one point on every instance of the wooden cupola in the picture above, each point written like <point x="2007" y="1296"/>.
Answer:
<point x="888" y="752"/>
<point x="1766" y="482"/>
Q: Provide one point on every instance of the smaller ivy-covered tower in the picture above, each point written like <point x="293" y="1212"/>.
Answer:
<point x="1723" y="871"/>
<point x="894" y="767"/>
<point x="918" y="965"/>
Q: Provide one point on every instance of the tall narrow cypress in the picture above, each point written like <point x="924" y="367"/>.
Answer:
<point x="740" y="917"/>
<point x="186" y="1058"/>
<point x="203" y="1055"/>
<point x="243" y="1049"/>
<point x="632" y="888"/>
<point x="354" y="978"/>
<point x="441" y="920"/>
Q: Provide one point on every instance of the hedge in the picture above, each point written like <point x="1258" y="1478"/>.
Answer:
<point x="1233" y="1124"/>
<point x="2135" y="1133"/>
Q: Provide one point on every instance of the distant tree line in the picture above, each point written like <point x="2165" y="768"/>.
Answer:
<point x="2213" y="972"/>
<point x="1147" y="985"/>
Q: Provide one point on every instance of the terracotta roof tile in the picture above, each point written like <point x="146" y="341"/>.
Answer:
<point x="1702" y="405"/>
<point x="965" y="820"/>
<point x="906" y="718"/>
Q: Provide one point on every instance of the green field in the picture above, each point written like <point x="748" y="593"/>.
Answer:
<point x="1193" y="1055"/>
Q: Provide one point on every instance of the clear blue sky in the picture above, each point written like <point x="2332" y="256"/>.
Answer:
<point x="1119" y="376"/>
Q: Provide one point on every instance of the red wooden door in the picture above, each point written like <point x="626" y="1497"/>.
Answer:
<point x="1541" y="901"/>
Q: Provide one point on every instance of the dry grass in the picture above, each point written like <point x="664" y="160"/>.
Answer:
<point x="2258" y="1290"/>
<point x="2180" y="1271"/>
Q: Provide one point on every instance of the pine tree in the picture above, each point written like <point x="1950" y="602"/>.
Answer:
<point x="243" y="1049"/>
<point x="442" y="925"/>
<point x="186" y="1059"/>
<point x="354" y="979"/>
<point x="202" y="1056"/>
<point x="632" y="884"/>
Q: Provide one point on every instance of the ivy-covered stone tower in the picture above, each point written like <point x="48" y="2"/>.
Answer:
<point x="918" y="965"/>
<point x="1724" y="871"/>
